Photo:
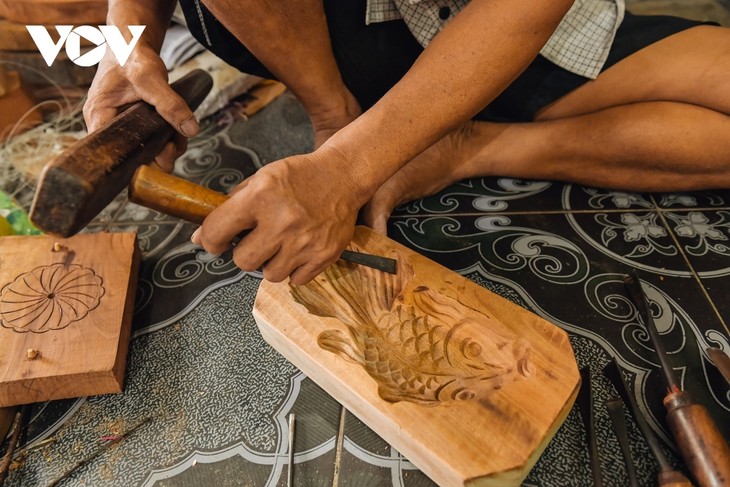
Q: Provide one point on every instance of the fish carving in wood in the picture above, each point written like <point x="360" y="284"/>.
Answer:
<point x="417" y="344"/>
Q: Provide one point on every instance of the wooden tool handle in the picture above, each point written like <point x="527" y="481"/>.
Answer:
<point x="7" y="414"/>
<point x="703" y="448"/>
<point x="173" y="196"/>
<point x="138" y="133"/>
<point x="672" y="478"/>
<point x="80" y="182"/>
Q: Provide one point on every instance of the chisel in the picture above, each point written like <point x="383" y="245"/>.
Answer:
<point x="703" y="448"/>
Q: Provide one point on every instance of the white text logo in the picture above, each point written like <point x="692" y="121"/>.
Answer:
<point x="71" y="37"/>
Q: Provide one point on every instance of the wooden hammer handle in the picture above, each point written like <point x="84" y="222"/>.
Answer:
<point x="137" y="134"/>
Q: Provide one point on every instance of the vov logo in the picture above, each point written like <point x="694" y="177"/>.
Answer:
<point x="71" y="36"/>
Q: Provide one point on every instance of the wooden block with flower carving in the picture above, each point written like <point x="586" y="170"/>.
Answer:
<point x="467" y="385"/>
<point x="65" y="315"/>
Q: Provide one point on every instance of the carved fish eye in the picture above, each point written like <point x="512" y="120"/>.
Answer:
<point x="464" y="395"/>
<point x="470" y="348"/>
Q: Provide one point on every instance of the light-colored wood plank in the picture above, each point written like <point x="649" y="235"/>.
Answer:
<point x="467" y="385"/>
<point x="16" y="104"/>
<point x="260" y="96"/>
<point x="15" y="37"/>
<point x="65" y="315"/>
<point x="5" y="85"/>
<point x="51" y="12"/>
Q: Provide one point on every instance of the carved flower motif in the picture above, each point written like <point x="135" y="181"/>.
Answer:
<point x="49" y="298"/>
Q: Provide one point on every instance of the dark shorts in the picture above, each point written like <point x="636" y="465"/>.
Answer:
<point x="373" y="58"/>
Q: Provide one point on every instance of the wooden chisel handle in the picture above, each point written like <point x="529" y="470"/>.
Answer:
<point x="672" y="478"/>
<point x="188" y="201"/>
<point x="173" y="196"/>
<point x="703" y="447"/>
<point x="7" y="414"/>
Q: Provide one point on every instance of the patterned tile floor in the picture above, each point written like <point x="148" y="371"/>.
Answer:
<point x="219" y="396"/>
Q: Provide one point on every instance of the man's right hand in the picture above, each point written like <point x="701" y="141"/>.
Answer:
<point x="143" y="77"/>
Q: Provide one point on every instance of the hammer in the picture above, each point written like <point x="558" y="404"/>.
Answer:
<point x="76" y="185"/>
<point x="79" y="183"/>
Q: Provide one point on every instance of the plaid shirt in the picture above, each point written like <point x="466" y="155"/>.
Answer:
<point x="580" y="44"/>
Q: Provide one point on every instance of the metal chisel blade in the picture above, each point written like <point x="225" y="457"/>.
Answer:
<point x="377" y="262"/>
<point x="721" y="361"/>
<point x="384" y="264"/>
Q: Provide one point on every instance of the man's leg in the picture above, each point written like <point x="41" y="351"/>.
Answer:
<point x="656" y="121"/>
<point x="291" y="38"/>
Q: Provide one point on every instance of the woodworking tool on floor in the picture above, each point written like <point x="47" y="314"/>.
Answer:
<point x="702" y="446"/>
<point x="20" y="422"/>
<point x="290" y="469"/>
<point x="721" y="361"/>
<point x="79" y="183"/>
<point x="99" y="451"/>
<point x="667" y="476"/>
<point x="585" y="402"/>
<point x="618" y="420"/>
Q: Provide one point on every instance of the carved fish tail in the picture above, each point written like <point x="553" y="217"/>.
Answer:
<point x="354" y="294"/>
<point x="337" y="342"/>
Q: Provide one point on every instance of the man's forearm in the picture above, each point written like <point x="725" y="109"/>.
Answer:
<point x="475" y="57"/>
<point x="154" y="14"/>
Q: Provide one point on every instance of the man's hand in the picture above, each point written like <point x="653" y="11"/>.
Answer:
<point x="143" y="77"/>
<point x="301" y="214"/>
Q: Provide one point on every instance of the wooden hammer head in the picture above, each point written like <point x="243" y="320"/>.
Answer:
<point x="76" y="185"/>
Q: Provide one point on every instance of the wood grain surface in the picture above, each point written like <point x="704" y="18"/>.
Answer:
<point x="65" y="315"/>
<point x="69" y="12"/>
<point x="467" y="385"/>
<point x="16" y="103"/>
<point x="15" y="37"/>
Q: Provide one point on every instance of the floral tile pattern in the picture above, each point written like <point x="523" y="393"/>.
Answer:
<point x="218" y="397"/>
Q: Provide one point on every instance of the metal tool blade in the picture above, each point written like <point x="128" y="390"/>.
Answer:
<point x="616" y="412"/>
<point x="378" y="262"/>
<point x="721" y="361"/>
<point x="290" y="470"/>
<point x="636" y="292"/>
<point x="585" y="403"/>
<point x="613" y="372"/>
